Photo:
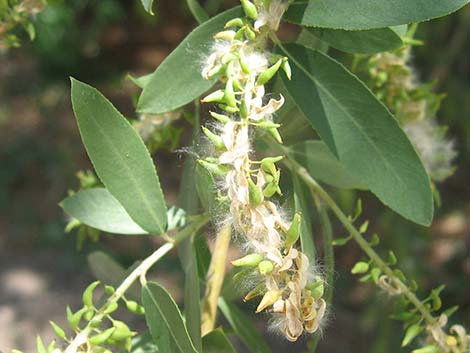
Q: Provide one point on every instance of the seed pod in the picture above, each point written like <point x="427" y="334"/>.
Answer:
<point x="317" y="289"/>
<point x="214" y="71"/>
<point x="250" y="9"/>
<point x="40" y="345"/>
<point x="268" y="164"/>
<point x="109" y="289"/>
<point x="227" y="35"/>
<point x="214" y="97"/>
<point x="267" y="124"/>
<point x="256" y="292"/>
<point x="220" y="117"/>
<point x="248" y="260"/>
<point x="215" y="139"/>
<point x="88" y="294"/>
<point x="134" y="307"/>
<point x="57" y="329"/>
<point x="121" y="331"/>
<point x="243" y="109"/>
<point x="269" y="299"/>
<point x="236" y="22"/>
<point x="251" y="35"/>
<point x="213" y="168"/>
<point x="240" y="33"/>
<point x="270" y="189"/>
<point x="102" y="337"/>
<point x="244" y="65"/>
<point x="286" y="68"/>
<point x="275" y="134"/>
<point x="228" y="58"/>
<point x="256" y="195"/>
<point x="410" y="334"/>
<point x="294" y="231"/>
<point x="111" y="308"/>
<point x="229" y="96"/>
<point x="269" y="73"/>
<point x="230" y="110"/>
<point x="427" y="349"/>
<point x="265" y="267"/>
<point x="74" y="318"/>
<point x="241" y="274"/>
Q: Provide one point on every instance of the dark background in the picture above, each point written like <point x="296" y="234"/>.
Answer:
<point x="99" y="42"/>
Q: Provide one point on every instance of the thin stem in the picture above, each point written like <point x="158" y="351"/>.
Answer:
<point x="215" y="279"/>
<point x="138" y="272"/>
<point x="363" y="244"/>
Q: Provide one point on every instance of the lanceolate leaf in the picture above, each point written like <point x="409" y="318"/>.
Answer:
<point x="148" y="4"/>
<point x="178" y="81"/>
<point x="164" y="320"/>
<point x="120" y="158"/>
<point x="359" y="42"/>
<point x="360" y="131"/>
<point x="243" y="327"/>
<point x="217" y="342"/>
<point x="322" y="164"/>
<point x="99" y="209"/>
<point x="367" y="14"/>
<point x="198" y="11"/>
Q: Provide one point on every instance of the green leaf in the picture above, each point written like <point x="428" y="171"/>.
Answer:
<point x="141" y="81"/>
<point x="360" y="131"/>
<point x="217" y="342"/>
<point x="105" y="268"/>
<point x="359" y="42"/>
<point x="120" y="158"/>
<point x="197" y="11"/>
<point x="306" y="234"/>
<point x="178" y="80"/>
<point x="164" y="320"/>
<point x="322" y="164"/>
<point x="99" y="209"/>
<point x="367" y="14"/>
<point x="148" y="4"/>
<point x="243" y="327"/>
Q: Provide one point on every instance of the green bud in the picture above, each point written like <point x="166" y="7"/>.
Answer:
<point x="109" y="289"/>
<point x="227" y="35"/>
<point x="286" y="68"/>
<point x="270" y="189"/>
<point x="240" y="33"/>
<point x="50" y="347"/>
<point x="214" y="97"/>
<point x="230" y="110"/>
<point x="243" y="109"/>
<point x="89" y="313"/>
<point x="294" y="231"/>
<point x="57" y="329"/>
<point x="40" y="345"/>
<point x="265" y="267"/>
<point x="215" y="139"/>
<point x="268" y="164"/>
<point x="256" y="195"/>
<point x="244" y="65"/>
<point x="236" y="22"/>
<point x="250" y="9"/>
<point x="74" y="319"/>
<point x="248" y="260"/>
<point x="360" y="267"/>
<point x="213" y="168"/>
<point x="102" y="337"/>
<point x="220" y="117"/>
<point x="135" y="307"/>
<point x="317" y="289"/>
<point x="251" y="35"/>
<point x="88" y="294"/>
<point x="268" y="124"/>
<point x="111" y="308"/>
<point x="229" y="96"/>
<point x="269" y="73"/>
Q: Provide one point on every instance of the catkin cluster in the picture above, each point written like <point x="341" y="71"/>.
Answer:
<point x="284" y="279"/>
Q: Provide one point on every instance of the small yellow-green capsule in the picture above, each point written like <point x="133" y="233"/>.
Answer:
<point x="220" y="117"/>
<point x="269" y="299"/>
<point x="213" y="168"/>
<point x="294" y="231"/>
<point x="227" y="35"/>
<point x="286" y="68"/>
<point x="236" y="22"/>
<point x="214" y="97"/>
<point x="250" y="9"/>
<point x="215" y="139"/>
<point x="228" y="109"/>
<point x="74" y="318"/>
<point x="244" y="65"/>
<point x="317" y="289"/>
<point x="230" y="94"/>
<point x="240" y="33"/>
<point x="251" y="35"/>
<point x="256" y="195"/>
<point x="268" y="164"/>
<point x="58" y="330"/>
<point x="269" y="73"/>
<point x="270" y="189"/>
<point x="102" y="337"/>
<point x="265" y="267"/>
<point x="243" y="109"/>
<point x="214" y="71"/>
<point x="277" y="136"/>
<point x="135" y="307"/>
<point x="111" y="308"/>
<point x="88" y="294"/>
<point x="248" y="260"/>
<point x="267" y="124"/>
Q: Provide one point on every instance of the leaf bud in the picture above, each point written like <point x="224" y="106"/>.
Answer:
<point x="256" y="195"/>
<point x="250" y="9"/>
<point x="294" y="231"/>
<point x="265" y="267"/>
<point x="269" y="73"/>
<point x="248" y="260"/>
<point x="269" y="299"/>
<point x="236" y="22"/>
<point x="88" y="294"/>
<point x="215" y="139"/>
